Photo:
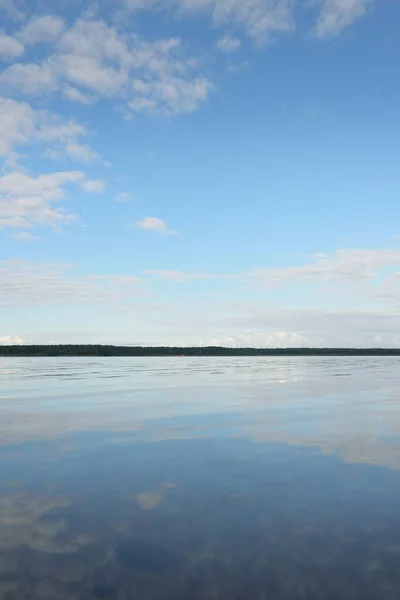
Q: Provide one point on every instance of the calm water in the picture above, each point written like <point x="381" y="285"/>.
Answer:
<point x="181" y="478"/>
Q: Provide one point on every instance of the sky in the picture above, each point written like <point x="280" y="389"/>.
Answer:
<point x="200" y="172"/>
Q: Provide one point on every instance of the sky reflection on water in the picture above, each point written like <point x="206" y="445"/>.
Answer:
<point x="199" y="478"/>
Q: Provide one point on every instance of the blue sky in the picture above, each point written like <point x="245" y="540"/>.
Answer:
<point x="200" y="172"/>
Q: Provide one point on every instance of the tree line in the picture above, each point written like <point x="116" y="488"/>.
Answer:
<point x="101" y="350"/>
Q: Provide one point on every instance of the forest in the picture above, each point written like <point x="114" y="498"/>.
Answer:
<point x="101" y="350"/>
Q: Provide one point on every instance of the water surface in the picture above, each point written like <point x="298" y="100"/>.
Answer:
<point x="180" y="478"/>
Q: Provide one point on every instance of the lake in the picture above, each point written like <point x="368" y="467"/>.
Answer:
<point x="200" y="478"/>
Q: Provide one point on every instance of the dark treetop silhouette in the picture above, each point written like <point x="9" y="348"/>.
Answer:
<point x="98" y="350"/>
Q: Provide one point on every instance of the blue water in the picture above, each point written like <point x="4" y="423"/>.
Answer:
<point x="180" y="478"/>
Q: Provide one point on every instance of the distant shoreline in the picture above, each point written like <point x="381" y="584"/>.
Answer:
<point x="147" y="351"/>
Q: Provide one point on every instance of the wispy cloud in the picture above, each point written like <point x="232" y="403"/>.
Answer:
<point x="26" y="201"/>
<point x="92" y="60"/>
<point x="25" y="283"/>
<point x="17" y="125"/>
<point x="344" y="266"/>
<point x="24" y="236"/>
<point x="258" y="18"/>
<point x="169" y="95"/>
<point x="10" y="47"/>
<point x="95" y="186"/>
<point x="178" y="276"/>
<point x="20" y="125"/>
<point x="42" y="29"/>
<point x="31" y="78"/>
<point x="11" y="340"/>
<point x="157" y="225"/>
<point x="228" y="44"/>
<point x="64" y="137"/>
<point x="58" y="137"/>
<point x="123" y="197"/>
<point x="259" y="339"/>
<point x="81" y="153"/>
<point x="12" y="9"/>
<point x="336" y="15"/>
<point x="253" y="326"/>
<point x="71" y="93"/>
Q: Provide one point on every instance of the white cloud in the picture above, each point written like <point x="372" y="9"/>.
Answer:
<point x="11" y="340"/>
<point x="91" y="10"/>
<point x="344" y="266"/>
<point x="94" y="186"/>
<point x="178" y="276"/>
<point x="123" y="197"/>
<point x="93" y="59"/>
<point x="26" y="284"/>
<point x="97" y="58"/>
<point x="26" y="201"/>
<point x="155" y="224"/>
<point x="21" y="125"/>
<point x="12" y="162"/>
<point x="361" y="305"/>
<point x="11" y="9"/>
<point x="75" y="95"/>
<point x="24" y="236"/>
<point x="17" y="124"/>
<point x="228" y="44"/>
<point x="169" y="95"/>
<point x="320" y="328"/>
<point x="94" y="56"/>
<point x="53" y="128"/>
<point x="97" y="40"/>
<point x="251" y="339"/>
<point x="10" y="47"/>
<point x="258" y="18"/>
<point x="336" y="15"/>
<point x="81" y="153"/>
<point x="44" y="29"/>
<point x="88" y="72"/>
<point x="31" y="79"/>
